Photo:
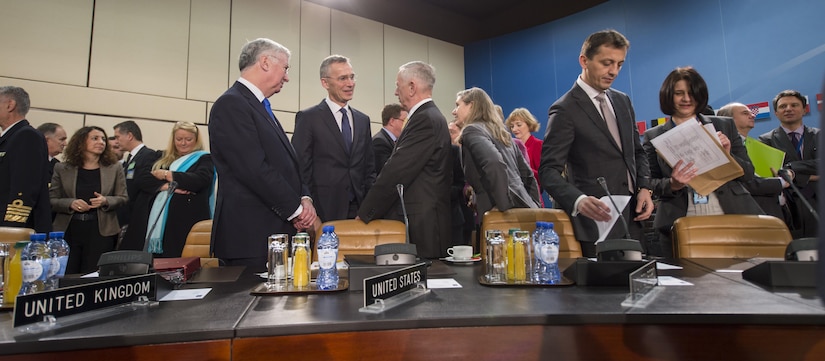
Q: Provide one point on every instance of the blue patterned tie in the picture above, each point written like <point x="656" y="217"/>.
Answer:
<point x="795" y="142"/>
<point x="268" y="108"/>
<point x="345" y="129"/>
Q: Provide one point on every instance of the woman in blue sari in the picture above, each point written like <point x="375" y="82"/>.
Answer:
<point x="186" y="163"/>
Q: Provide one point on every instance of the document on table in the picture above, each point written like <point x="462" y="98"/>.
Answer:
<point x="606" y="226"/>
<point x="187" y="294"/>
<point x="690" y="143"/>
<point x="672" y="281"/>
<point x="443" y="283"/>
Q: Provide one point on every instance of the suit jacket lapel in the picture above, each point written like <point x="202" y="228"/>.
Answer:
<point x="332" y="126"/>
<point x="259" y="108"/>
<point x="784" y="143"/>
<point x="593" y="114"/>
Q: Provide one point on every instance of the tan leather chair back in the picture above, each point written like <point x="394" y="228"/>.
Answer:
<point x="525" y="219"/>
<point x="357" y="237"/>
<point x="197" y="242"/>
<point x="13" y="234"/>
<point x="730" y="236"/>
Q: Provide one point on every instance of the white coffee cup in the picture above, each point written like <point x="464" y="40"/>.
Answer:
<point x="460" y="252"/>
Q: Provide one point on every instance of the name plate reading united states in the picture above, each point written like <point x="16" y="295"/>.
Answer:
<point x="387" y="285"/>
<point x="68" y="301"/>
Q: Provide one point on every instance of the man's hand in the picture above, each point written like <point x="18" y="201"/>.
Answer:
<point x="594" y="209"/>
<point x="644" y="205"/>
<point x="306" y="219"/>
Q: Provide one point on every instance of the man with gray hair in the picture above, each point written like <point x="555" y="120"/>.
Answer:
<point x="55" y="142"/>
<point x="767" y="192"/>
<point x="333" y="144"/>
<point x="24" y="166"/>
<point x="261" y="191"/>
<point x="422" y="163"/>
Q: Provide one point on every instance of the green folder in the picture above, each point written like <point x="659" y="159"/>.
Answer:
<point x="764" y="157"/>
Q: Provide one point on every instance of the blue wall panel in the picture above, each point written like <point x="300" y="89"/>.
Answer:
<point x="747" y="51"/>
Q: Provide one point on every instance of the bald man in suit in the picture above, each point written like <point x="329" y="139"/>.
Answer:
<point x="583" y="143"/>
<point x="261" y="191"/>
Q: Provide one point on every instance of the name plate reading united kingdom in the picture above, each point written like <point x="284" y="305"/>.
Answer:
<point x="387" y="285"/>
<point x="67" y="301"/>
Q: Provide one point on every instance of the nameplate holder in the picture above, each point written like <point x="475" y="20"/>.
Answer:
<point x="392" y="289"/>
<point x="644" y="286"/>
<point x="782" y="274"/>
<point x="602" y="273"/>
<point x="76" y="300"/>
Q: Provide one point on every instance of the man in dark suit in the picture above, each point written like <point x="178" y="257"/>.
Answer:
<point x="138" y="167"/>
<point x="55" y="141"/>
<point x="260" y="189"/>
<point x="800" y="144"/>
<point x="383" y="142"/>
<point x="766" y="191"/>
<point x="422" y="163"/>
<point x="332" y="142"/>
<point x="583" y="143"/>
<point x="24" y="175"/>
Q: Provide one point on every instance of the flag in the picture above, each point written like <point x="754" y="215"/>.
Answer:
<point x="760" y="110"/>
<point x="642" y="127"/>
<point x="819" y="102"/>
<point x="657" y="121"/>
<point x="807" y="105"/>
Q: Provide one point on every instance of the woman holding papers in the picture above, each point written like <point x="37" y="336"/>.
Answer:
<point x="493" y="165"/>
<point x="186" y="163"/>
<point x="683" y="95"/>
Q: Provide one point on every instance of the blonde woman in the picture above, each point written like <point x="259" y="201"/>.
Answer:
<point x="186" y="163"/>
<point x="522" y="123"/>
<point x="493" y="165"/>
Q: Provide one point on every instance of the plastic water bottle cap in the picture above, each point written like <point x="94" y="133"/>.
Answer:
<point x="56" y="235"/>
<point x="550" y="225"/>
<point x="37" y="237"/>
<point x="328" y="229"/>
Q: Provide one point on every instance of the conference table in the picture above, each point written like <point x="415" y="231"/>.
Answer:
<point x="719" y="316"/>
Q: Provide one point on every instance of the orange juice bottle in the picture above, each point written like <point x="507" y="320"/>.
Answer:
<point x="300" y="261"/>
<point x="14" y="274"/>
<point x="511" y="256"/>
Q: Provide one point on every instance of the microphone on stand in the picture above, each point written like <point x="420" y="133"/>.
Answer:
<point x="626" y="249"/>
<point x="786" y="177"/>
<point x="397" y="253"/>
<point x="171" y="191"/>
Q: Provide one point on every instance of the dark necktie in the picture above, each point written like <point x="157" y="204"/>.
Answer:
<point x="345" y="129"/>
<point x="795" y="142"/>
<point x="128" y="159"/>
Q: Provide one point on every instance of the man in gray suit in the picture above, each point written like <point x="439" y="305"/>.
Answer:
<point x="592" y="133"/>
<point x="421" y="162"/>
<point x="333" y="144"/>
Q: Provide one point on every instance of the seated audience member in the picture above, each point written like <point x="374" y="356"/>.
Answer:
<point x="85" y="192"/>
<point x="767" y="192"/>
<point x="493" y="165"/>
<point x="800" y="144"/>
<point x="682" y="96"/>
<point x="185" y="162"/>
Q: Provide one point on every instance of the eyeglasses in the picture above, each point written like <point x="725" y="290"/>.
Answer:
<point x="343" y="78"/>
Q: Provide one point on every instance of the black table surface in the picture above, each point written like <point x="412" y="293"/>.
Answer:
<point x="229" y="311"/>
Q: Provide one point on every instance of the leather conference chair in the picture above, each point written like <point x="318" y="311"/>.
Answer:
<point x="357" y="237"/>
<point x="10" y="236"/>
<point x="197" y="243"/>
<point x="525" y="219"/>
<point x="730" y="236"/>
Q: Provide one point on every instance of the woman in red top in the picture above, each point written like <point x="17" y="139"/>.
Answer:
<point x="522" y="123"/>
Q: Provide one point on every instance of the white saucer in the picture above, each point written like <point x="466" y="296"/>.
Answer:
<point x="468" y="260"/>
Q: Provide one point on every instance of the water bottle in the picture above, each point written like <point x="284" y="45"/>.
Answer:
<point x="537" y="266"/>
<point x="59" y="249"/>
<point x="547" y="255"/>
<point x="35" y="262"/>
<point x="327" y="259"/>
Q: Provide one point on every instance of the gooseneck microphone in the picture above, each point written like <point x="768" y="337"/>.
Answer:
<point x="603" y="183"/>
<point x="397" y="253"/>
<point x="626" y="249"/>
<point x="787" y="178"/>
<point x="169" y="192"/>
